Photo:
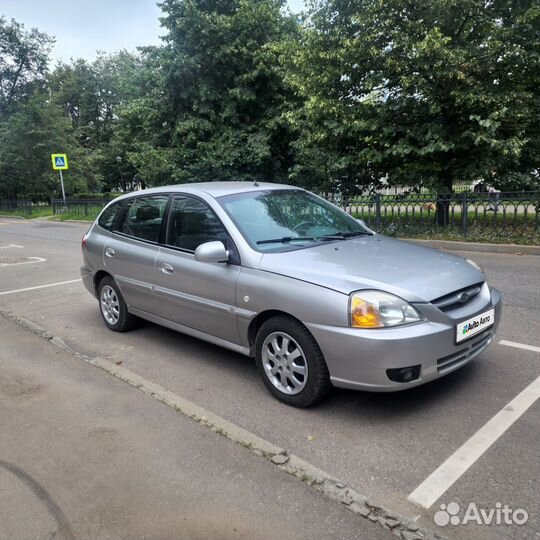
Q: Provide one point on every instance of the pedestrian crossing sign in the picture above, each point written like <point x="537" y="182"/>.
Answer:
<point x="59" y="162"/>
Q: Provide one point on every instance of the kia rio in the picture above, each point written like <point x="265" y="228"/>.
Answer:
<point x="279" y="274"/>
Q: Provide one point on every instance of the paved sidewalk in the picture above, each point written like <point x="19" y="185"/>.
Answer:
<point x="83" y="455"/>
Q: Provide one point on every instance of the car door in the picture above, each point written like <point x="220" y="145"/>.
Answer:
<point x="131" y="251"/>
<point x="196" y="294"/>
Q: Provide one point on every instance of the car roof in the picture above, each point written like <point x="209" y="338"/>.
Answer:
<point x="215" y="189"/>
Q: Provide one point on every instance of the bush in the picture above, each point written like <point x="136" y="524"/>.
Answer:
<point x="88" y="195"/>
<point x="517" y="181"/>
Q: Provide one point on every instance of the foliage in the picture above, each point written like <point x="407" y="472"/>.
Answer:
<point x="27" y="139"/>
<point x="346" y="97"/>
<point x="23" y="63"/>
<point x="516" y="181"/>
<point x="430" y="91"/>
<point x="215" y="110"/>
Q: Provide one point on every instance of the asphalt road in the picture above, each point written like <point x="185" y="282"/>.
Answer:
<point x="89" y="457"/>
<point x="384" y="445"/>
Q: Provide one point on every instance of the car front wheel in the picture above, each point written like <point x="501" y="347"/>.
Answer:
<point x="290" y="362"/>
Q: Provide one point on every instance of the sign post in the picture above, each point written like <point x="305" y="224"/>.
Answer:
<point x="60" y="163"/>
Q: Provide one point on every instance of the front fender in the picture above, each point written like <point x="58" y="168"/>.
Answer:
<point x="259" y="291"/>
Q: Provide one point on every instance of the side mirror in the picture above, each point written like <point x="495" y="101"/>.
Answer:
<point x="212" y="252"/>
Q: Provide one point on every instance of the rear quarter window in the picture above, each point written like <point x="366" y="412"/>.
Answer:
<point x="107" y="217"/>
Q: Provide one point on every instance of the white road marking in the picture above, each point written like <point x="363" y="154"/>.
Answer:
<point x="29" y="260"/>
<point x="438" y="482"/>
<point x="519" y="345"/>
<point x="40" y="286"/>
<point x="11" y="246"/>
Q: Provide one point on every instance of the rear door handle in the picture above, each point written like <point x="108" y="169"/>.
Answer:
<point x="167" y="268"/>
<point x="109" y="252"/>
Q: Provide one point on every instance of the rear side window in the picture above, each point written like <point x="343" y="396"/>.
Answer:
<point x="107" y="217"/>
<point x="192" y="223"/>
<point x="144" y="216"/>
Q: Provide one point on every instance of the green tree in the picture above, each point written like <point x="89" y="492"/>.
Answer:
<point x="76" y="89"/>
<point x="23" y="63"/>
<point x="27" y="139"/>
<point x="31" y="125"/>
<point x="431" y="91"/>
<point x="92" y="95"/>
<point x="216" y="110"/>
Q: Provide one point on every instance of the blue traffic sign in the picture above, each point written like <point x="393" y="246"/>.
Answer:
<point x="59" y="162"/>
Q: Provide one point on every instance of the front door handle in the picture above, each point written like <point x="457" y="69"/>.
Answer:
<point x="166" y="268"/>
<point x="109" y="252"/>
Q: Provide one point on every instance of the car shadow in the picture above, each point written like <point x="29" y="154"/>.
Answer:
<point x="377" y="405"/>
<point x="436" y="394"/>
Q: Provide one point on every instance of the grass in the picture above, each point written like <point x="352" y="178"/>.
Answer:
<point x="492" y="227"/>
<point x="484" y="236"/>
<point x="423" y="215"/>
<point x="37" y="212"/>
<point x="47" y="212"/>
<point x="92" y="214"/>
<point x="518" y="232"/>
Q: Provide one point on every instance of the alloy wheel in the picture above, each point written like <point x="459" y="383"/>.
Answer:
<point x="284" y="363"/>
<point x="110" y="305"/>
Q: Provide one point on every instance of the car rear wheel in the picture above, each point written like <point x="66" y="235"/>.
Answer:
<point x="290" y="362"/>
<point x="113" y="308"/>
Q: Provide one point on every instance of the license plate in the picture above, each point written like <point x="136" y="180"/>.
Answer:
<point x="471" y="327"/>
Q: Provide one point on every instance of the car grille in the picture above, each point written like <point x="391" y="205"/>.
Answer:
<point x="456" y="298"/>
<point x="453" y="361"/>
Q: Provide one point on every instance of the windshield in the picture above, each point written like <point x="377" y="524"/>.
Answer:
<point x="281" y="220"/>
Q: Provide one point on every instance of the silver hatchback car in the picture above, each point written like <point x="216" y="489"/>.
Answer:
<point x="277" y="273"/>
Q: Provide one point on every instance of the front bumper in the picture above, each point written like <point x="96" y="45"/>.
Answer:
<point x="359" y="359"/>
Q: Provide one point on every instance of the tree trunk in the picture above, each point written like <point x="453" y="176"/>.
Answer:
<point x="442" y="215"/>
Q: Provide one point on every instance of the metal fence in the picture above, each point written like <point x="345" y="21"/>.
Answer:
<point x="15" y="206"/>
<point x="502" y="217"/>
<point x="79" y="208"/>
<point x="512" y="217"/>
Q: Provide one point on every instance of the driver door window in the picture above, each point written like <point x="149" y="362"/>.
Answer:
<point x="192" y="223"/>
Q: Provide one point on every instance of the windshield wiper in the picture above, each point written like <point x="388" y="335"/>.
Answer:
<point x="338" y="235"/>
<point x="342" y="235"/>
<point x="284" y="240"/>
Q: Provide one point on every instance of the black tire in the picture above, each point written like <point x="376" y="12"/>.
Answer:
<point x="125" y="320"/>
<point x="317" y="383"/>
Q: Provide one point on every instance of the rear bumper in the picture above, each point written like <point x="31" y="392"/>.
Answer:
<point x="359" y="359"/>
<point x="88" y="279"/>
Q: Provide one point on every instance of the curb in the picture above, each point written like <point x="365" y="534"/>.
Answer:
<point x="71" y="220"/>
<point x="47" y="218"/>
<point x="452" y="245"/>
<point x="331" y="487"/>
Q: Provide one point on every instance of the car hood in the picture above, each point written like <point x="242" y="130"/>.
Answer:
<point x="415" y="273"/>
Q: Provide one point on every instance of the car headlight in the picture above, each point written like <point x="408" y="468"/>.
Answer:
<point x="377" y="309"/>
<point x="475" y="265"/>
